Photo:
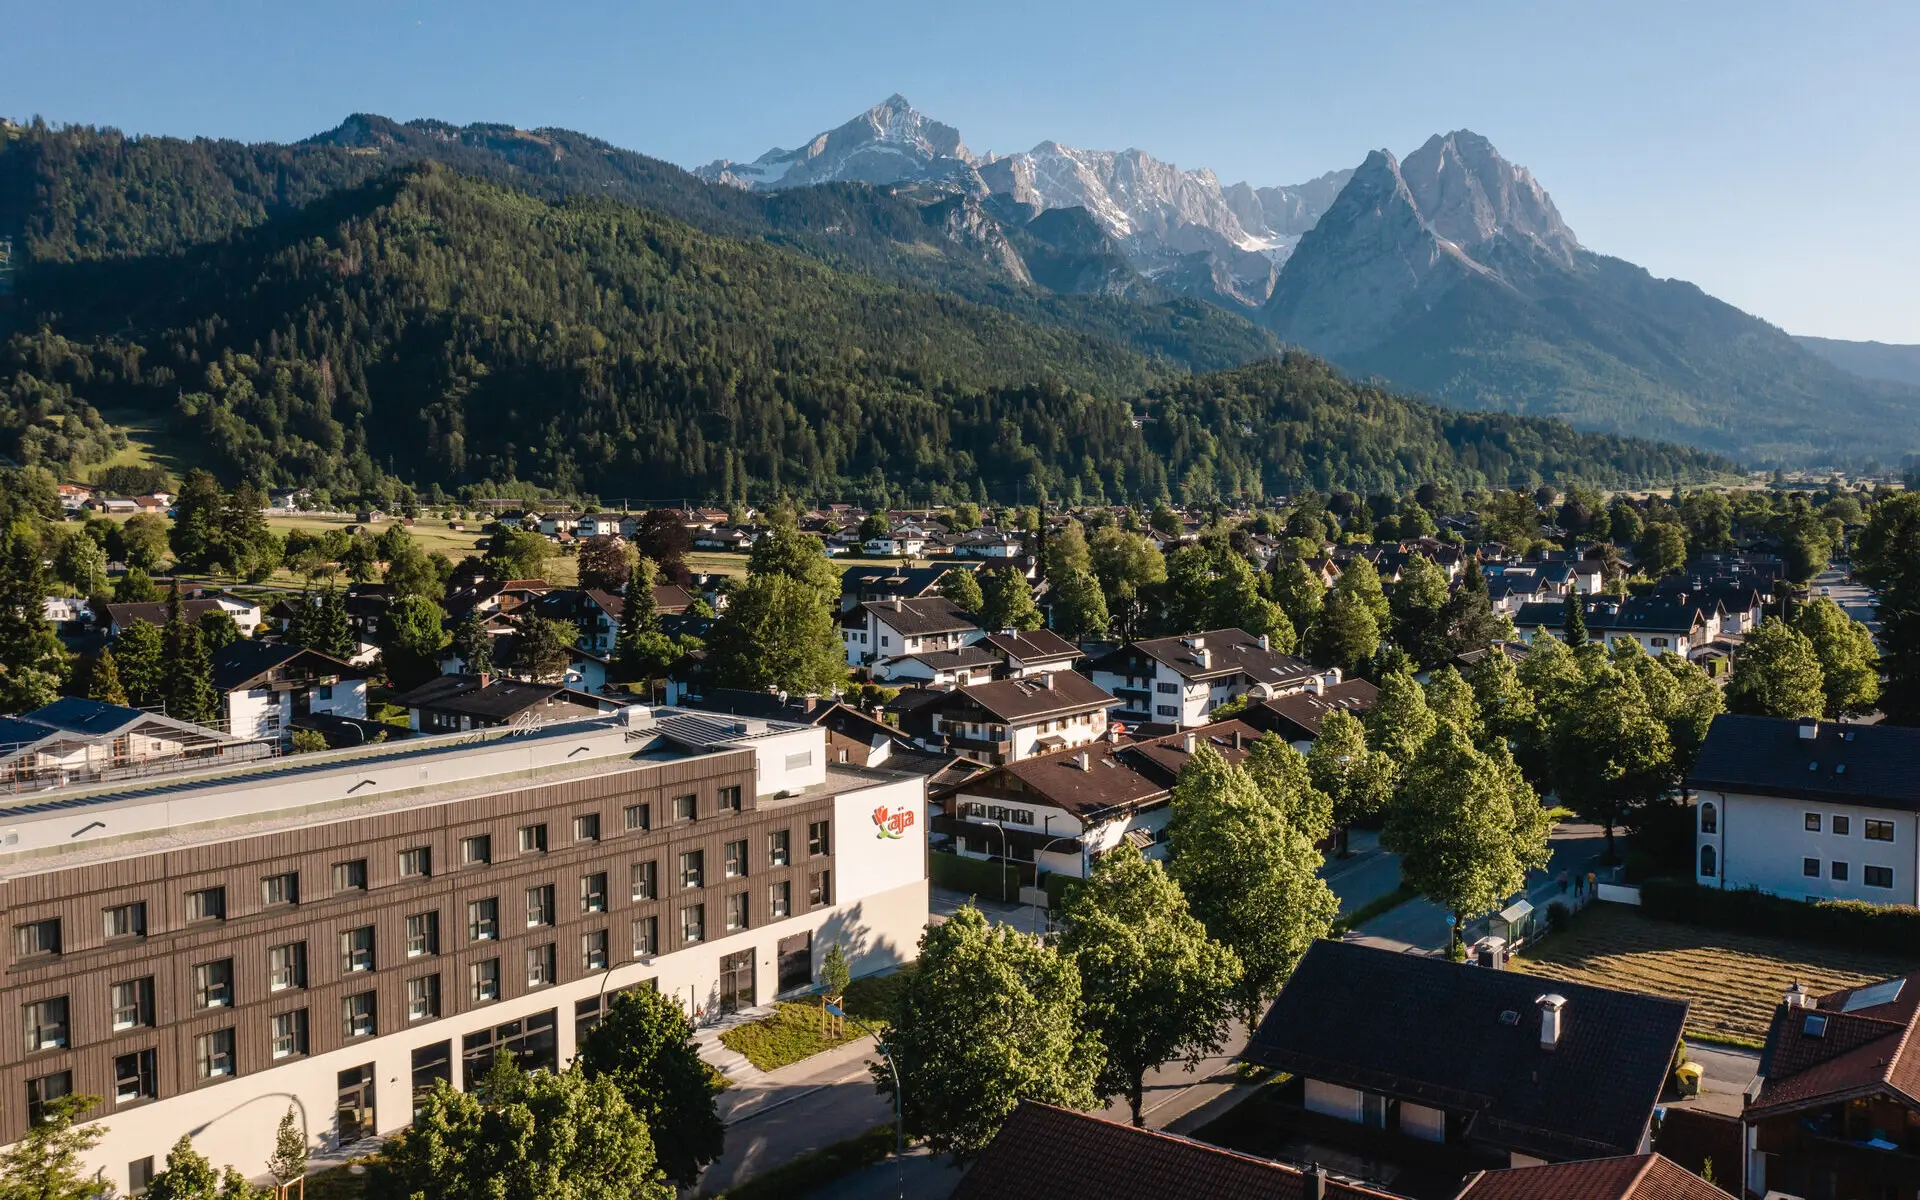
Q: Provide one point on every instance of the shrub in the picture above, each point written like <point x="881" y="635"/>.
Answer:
<point x="1558" y="915"/>
<point x="1855" y="924"/>
<point x="975" y="876"/>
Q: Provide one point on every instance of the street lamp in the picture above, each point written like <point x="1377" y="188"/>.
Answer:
<point x="1065" y="837"/>
<point x="1006" y="855"/>
<point x="899" y="1136"/>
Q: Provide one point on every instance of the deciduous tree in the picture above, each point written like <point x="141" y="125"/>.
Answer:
<point x="1849" y="661"/>
<point x="189" y="1176"/>
<point x="1357" y="782"/>
<point x="48" y="1160"/>
<point x="1156" y="987"/>
<point x="988" y="1017"/>
<point x="1079" y="608"/>
<point x="411" y="634"/>
<point x="962" y="587"/>
<point x="644" y="1046"/>
<point x="1777" y="674"/>
<point x="777" y="634"/>
<point x="1007" y="601"/>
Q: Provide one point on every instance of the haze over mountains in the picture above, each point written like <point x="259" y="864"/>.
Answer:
<point x="1451" y="273"/>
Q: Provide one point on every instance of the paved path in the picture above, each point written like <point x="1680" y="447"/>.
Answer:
<point x="1420" y="925"/>
<point x="1365" y="875"/>
<point x="782" y="1114"/>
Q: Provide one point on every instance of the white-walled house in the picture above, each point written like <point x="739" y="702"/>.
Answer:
<point x="1808" y="809"/>
<point x="1179" y="681"/>
<point x="877" y="629"/>
<point x="266" y="687"/>
<point x="1010" y="719"/>
<point x="1661" y="624"/>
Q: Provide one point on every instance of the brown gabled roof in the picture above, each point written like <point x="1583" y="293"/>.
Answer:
<point x="1108" y="781"/>
<point x="915" y="617"/>
<point x="1303" y="711"/>
<point x="1063" y="1155"/>
<point x="1628" y="1177"/>
<point x="1166" y="756"/>
<point x="1033" y="696"/>
<point x="1033" y="646"/>
<point x="1828" y="1052"/>
<point x="1228" y="652"/>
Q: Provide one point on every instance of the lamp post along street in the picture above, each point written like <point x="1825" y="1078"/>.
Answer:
<point x="1006" y="856"/>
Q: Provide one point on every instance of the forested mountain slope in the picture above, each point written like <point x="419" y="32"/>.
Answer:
<point x="77" y="193"/>
<point x="442" y="330"/>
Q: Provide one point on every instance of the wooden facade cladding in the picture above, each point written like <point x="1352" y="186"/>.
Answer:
<point x="89" y="964"/>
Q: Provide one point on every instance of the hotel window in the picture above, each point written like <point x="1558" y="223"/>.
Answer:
<point x="44" y="1091"/>
<point x="540" y="965"/>
<point x="819" y="889"/>
<point x="46" y="1024"/>
<point x="639" y="817"/>
<point x="736" y="912"/>
<point x="483" y="920"/>
<point x="729" y="798"/>
<point x="125" y="920"/>
<point x="685" y="808"/>
<point x="214" y="1054"/>
<point x="736" y="859"/>
<point x="416" y="863"/>
<point x="644" y="878"/>
<point x="540" y="905"/>
<point x="287" y="967"/>
<point x="593" y="950"/>
<point x="133" y="1003"/>
<point x="819" y="839"/>
<point x="593" y="892"/>
<point x="37" y="938"/>
<point x="423" y="998"/>
<point x="646" y="936"/>
<point x="1838" y="871"/>
<point x="533" y="839"/>
<point x="139" y="1176"/>
<point x="277" y="890"/>
<point x="779" y="848"/>
<point x="1877" y="877"/>
<point x="476" y="851"/>
<point x="484" y="980"/>
<point x="207" y="904"/>
<point x="780" y="900"/>
<point x="586" y="828"/>
<point x="290" y="1033"/>
<point x="213" y="984"/>
<point x="1879" y="831"/>
<point x="350" y="876"/>
<point x="693" y="923"/>
<point x="135" y="1077"/>
<point x="356" y="950"/>
<point x="357" y="1016"/>
<point x="693" y="869"/>
<point x="423" y="934"/>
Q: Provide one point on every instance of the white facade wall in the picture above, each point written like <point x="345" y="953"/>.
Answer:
<point x="1419" y="1121"/>
<point x="259" y="712"/>
<point x="1763" y="842"/>
<point x="1332" y="1100"/>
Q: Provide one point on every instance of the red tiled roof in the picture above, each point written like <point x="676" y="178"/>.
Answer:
<point x="1867" y="1049"/>
<point x="1629" y="1177"/>
<point x="1063" y="1155"/>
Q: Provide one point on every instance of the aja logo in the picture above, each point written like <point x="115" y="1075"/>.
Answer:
<point x="892" y="822"/>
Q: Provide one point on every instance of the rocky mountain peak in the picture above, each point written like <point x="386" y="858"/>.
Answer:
<point x="1470" y="195"/>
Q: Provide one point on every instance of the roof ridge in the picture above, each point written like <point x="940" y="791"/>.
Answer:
<point x="1646" y="1165"/>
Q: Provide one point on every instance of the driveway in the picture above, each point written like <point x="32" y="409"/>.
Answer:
<point x="1422" y="926"/>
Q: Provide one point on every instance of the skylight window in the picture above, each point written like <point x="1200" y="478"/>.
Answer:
<point x="1816" y="1025"/>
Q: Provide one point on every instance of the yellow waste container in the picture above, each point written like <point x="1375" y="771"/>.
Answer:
<point x="1687" y="1075"/>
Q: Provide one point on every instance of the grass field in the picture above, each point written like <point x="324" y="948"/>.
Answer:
<point x="793" y="1031"/>
<point x="1733" y="980"/>
<point x="149" y="444"/>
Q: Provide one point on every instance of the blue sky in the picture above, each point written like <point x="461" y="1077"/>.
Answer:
<point x="1762" y="150"/>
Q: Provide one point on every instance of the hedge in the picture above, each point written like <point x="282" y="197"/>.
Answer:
<point x="990" y="878"/>
<point x="1058" y="886"/>
<point x="1855" y="924"/>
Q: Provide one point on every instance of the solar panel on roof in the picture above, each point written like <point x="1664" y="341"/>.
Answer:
<point x="1870" y="997"/>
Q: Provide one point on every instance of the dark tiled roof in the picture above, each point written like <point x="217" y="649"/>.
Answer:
<point x="1228" y="651"/>
<point x="240" y="663"/>
<point x="1876" y="765"/>
<point x="1166" y="756"/>
<point x="1033" y="646"/>
<point x="1516" y="651"/>
<point x="1635" y="614"/>
<point x="1109" y="781"/>
<point x="1628" y="1177"/>
<point x="1062" y="1155"/>
<point x="1300" y="713"/>
<point x="1433" y="1032"/>
<point x="1032" y="696"/>
<point x="1855" y="1052"/>
<point x="122" y="615"/>
<point x="915" y="618"/>
<point x="670" y="598"/>
<point x="911" y="581"/>
<point x="950" y="660"/>
<point x="498" y="700"/>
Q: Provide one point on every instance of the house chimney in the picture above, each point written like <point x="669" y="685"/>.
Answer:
<point x="1188" y="743"/>
<point x="1085" y="760"/>
<point x="1551" y="1019"/>
<point x="1204" y="657"/>
<point x="1809" y="728"/>
<point x="486" y="677"/>
<point x="1236" y="739"/>
<point x="1046" y="680"/>
<point x="1317" y="685"/>
<point x="1264" y="643"/>
<point x="899" y="604"/>
<point x="1316" y="1183"/>
<point x="1797" y="996"/>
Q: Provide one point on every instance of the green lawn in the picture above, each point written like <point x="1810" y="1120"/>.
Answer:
<point x="795" y="1030"/>
<point x="149" y="444"/>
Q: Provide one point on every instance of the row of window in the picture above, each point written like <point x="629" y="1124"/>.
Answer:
<point x="1842" y="826"/>
<point x="45" y="936"/>
<point x="1878" y="877"/>
<point x="132" y="1001"/>
<point x="995" y="812"/>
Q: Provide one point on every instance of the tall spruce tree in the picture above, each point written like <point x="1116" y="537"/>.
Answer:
<point x="33" y="664"/>
<point x="186" y="673"/>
